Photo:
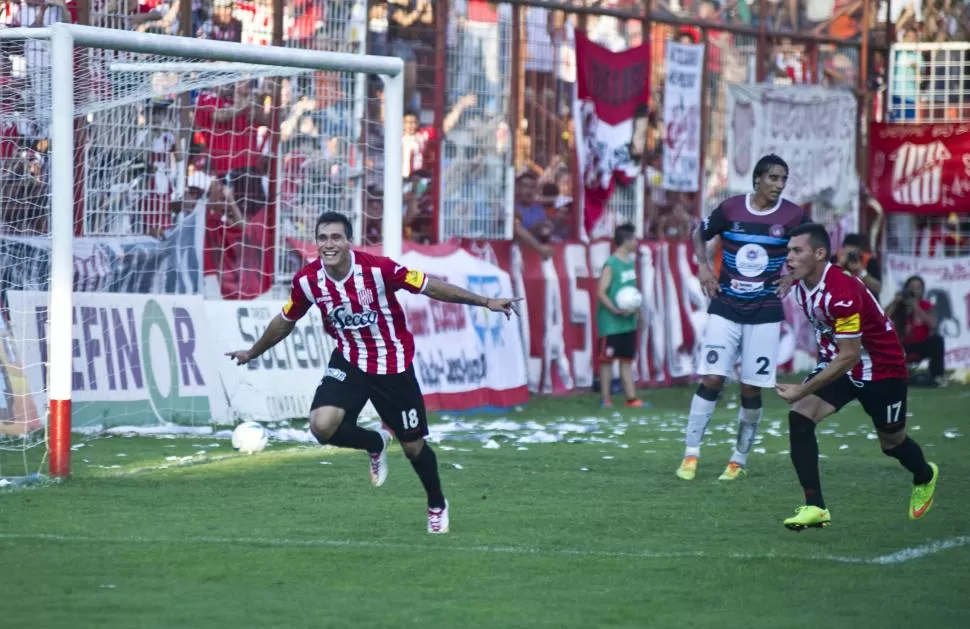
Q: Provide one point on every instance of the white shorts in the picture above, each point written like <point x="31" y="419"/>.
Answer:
<point x="756" y="344"/>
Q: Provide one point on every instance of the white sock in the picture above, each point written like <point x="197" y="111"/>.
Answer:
<point x="748" y="419"/>
<point x="697" y="421"/>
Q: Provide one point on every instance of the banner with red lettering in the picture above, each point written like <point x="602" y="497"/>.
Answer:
<point x="610" y="116"/>
<point x="559" y="313"/>
<point x="920" y="168"/>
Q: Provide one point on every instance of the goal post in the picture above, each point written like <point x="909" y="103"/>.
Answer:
<point x="224" y="57"/>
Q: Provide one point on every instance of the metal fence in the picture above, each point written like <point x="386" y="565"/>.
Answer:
<point x="928" y="83"/>
<point x="489" y="97"/>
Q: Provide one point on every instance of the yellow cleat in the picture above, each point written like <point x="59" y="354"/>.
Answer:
<point x="688" y="468"/>
<point x="733" y="471"/>
<point x="922" y="498"/>
<point x="809" y="517"/>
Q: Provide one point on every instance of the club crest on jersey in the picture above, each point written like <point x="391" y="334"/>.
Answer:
<point x="343" y="318"/>
<point x="364" y="297"/>
<point x="751" y="260"/>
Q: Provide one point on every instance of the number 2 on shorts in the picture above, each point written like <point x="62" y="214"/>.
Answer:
<point x="764" y="362"/>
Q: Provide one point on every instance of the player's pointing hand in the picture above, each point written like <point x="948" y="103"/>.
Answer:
<point x="506" y="305"/>
<point x="791" y="393"/>
<point x="241" y="357"/>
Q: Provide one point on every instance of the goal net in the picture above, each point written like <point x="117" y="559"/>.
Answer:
<point x="139" y="173"/>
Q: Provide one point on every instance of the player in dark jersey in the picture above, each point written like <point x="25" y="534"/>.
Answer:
<point x="859" y="358"/>
<point x="355" y="292"/>
<point x="745" y="310"/>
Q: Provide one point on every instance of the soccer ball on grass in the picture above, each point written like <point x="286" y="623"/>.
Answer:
<point x="249" y="437"/>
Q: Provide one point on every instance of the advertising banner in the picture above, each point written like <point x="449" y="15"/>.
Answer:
<point x="465" y="356"/>
<point x="280" y="384"/>
<point x="139" y="360"/>
<point x="920" y="168"/>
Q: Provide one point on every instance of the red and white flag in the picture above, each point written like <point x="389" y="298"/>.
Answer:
<point x="610" y="116"/>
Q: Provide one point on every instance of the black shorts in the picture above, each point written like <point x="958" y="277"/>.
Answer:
<point x="396" y="397"/>
<point x="618" y="347"/>
<point x="884" y="401"/>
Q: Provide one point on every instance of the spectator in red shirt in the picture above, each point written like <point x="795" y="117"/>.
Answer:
<point x="227" y="123"/>
<point x="915" y="322"/>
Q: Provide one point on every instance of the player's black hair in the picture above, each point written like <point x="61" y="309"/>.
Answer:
<point x="818" y="236"/>
<point x="852" y="240"/>
<point x="328" y="218"/>
<point x="623" y="233"/>
<point x="411" y="112"/>
<point x="766" y="163"/>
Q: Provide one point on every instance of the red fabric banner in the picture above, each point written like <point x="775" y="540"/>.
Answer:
<point x="610" y="116"/>
<point x="920" y="168"/>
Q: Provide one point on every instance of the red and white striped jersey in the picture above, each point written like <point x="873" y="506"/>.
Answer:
<point x="360" y="310"/>
<point x="841" y="307"/>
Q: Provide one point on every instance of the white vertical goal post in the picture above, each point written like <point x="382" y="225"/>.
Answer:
<point x="227" y="57"/>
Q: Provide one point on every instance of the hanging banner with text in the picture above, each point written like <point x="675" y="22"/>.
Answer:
<point x="812" y="128"/>
<point x="920" y="168"/>
<point x="947" y="288"/>
<point x="682" y="117"/>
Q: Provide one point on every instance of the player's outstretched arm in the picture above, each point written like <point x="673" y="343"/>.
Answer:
<point x="444" y="291"/>
<point x="279" y="328"/>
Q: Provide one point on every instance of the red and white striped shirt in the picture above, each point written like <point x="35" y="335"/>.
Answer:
<point x="360" y="310"/>
<point x="841" y="307"/>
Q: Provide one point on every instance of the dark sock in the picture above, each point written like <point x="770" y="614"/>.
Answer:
<point x="353" y="436"/>
<point x="426" y="466"/>
<point x="752" y="402"/>
<point x="804" y="456"/>
<point x="911" y="456"/>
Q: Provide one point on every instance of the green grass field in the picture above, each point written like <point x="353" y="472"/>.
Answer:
<point x="589" y="530"/>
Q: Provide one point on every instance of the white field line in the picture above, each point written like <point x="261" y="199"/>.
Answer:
<point x="901" y="556"/>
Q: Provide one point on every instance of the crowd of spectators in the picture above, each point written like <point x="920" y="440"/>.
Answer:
<point x="231" y="130"/>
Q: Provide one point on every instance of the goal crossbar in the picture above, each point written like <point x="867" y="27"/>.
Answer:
<point x="63" y="38"/>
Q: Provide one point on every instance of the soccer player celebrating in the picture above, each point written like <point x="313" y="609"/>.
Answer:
<point x="860" y="357"/>
<point x="355" y="293"/>
<point x="745" y="310"/>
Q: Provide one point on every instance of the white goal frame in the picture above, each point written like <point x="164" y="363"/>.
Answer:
<point x="63" y="38"/>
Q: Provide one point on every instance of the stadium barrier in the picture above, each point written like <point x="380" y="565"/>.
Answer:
<point x="559" y="307"/>
<point x="145" y="360"/>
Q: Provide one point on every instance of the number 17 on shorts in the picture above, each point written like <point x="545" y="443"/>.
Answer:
<point x="754" y="344"/>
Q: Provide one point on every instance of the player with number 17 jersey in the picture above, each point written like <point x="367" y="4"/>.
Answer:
<point x="841" y="307"/>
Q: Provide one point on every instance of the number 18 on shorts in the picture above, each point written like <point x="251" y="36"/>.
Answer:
<point x="755" y="344"/>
